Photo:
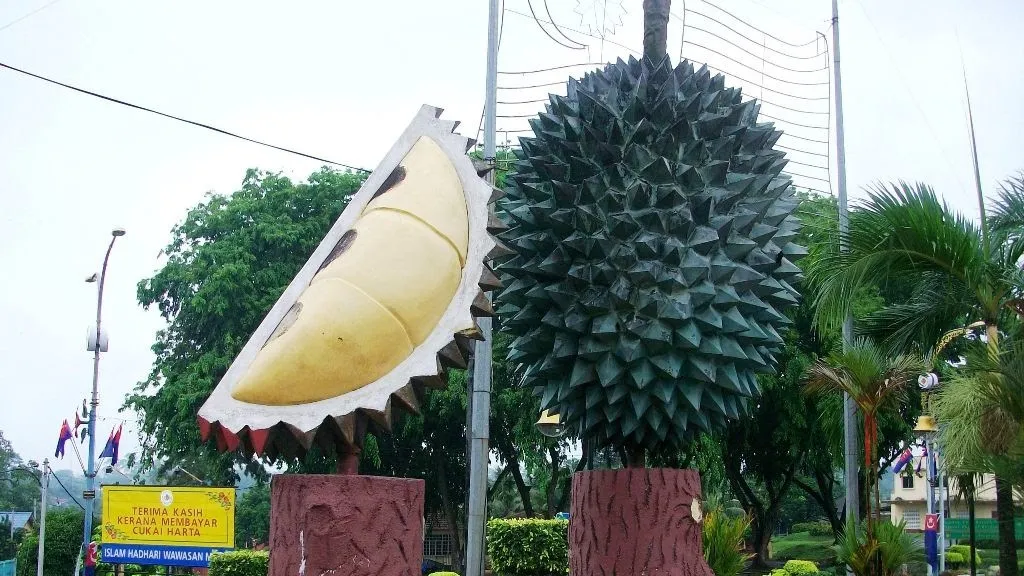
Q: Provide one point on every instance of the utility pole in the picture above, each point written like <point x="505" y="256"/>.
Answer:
<point x="99" y="345"/>
<point x="480" y="397"/>
<point x="849" y="407"/>
<point x="44" y="486"/>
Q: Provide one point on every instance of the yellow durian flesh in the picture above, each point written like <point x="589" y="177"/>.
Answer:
<point x="340" y="339"/>
<point x="404" y="265"/>
<point x="431" y="192"/>
<point x="391" y="279"/>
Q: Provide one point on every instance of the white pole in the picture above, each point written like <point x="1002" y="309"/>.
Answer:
<point x="480" y="402"/>
<point x="44" y="488"/>
<point x="849" y="407"/>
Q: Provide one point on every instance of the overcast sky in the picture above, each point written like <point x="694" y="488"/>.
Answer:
<point x="340" y="80"/>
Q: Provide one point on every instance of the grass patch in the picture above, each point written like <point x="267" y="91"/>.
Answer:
<point x="803" y="546"/>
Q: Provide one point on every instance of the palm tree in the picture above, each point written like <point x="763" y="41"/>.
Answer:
<point x="947" y="273"/>
<point x="875" y="381"/>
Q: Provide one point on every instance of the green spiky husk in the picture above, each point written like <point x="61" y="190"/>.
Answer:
<point x="654" y="258"/>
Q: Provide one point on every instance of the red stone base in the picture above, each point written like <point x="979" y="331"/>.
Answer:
<point x="332" y="525"/>
<point x="636" y="521"/>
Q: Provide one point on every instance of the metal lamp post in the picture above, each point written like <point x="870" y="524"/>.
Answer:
<point x="97" y="345"/>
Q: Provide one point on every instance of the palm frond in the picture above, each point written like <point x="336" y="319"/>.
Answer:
<point x="1006" y="218"/>
<point x="917" y="322"/>
<point x="865" y="372"/>
<point x="899" y="232"/>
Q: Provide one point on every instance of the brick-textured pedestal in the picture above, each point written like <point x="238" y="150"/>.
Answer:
<point x="333" y="525"/>
<point x="636" y="521"/>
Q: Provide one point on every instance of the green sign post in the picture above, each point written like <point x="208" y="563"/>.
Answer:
<point x="984" y="528"/>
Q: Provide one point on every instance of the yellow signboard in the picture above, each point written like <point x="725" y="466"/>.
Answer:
<point x="169" y="516"/>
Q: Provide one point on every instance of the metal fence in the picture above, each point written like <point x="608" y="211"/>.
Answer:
<point x="8" y="567"/>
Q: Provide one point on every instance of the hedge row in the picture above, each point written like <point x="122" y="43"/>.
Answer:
<point x="528" y="547"/>
<point x="240" y="563"/>
<point x="814" y="528"/>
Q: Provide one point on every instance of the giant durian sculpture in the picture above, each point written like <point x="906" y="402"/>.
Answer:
<point x="379" y="311"/>
<point x="653" y="232"/>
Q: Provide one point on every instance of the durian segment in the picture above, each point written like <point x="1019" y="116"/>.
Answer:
<point x="380" y="293"/>
<point x="405" y="265"/>
<point x="432" y="192"/>
<point x="339" y="340"/>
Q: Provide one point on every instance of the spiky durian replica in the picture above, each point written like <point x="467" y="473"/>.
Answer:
<point x="653" y="233"/>
<point x="383" y="306"/>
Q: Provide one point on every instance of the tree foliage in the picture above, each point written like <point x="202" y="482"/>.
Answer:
<point x="18" y="490"/>
<point x="227" y="263"/>
<point x="252" y="517"/>
<point x="63" y="544"/>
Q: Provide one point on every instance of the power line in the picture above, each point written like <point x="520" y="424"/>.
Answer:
<point x="32" y="13"/>
<point x="179" y="119"/>
<point x="68" y="492"/>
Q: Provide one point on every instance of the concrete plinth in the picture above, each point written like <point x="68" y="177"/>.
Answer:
<point x="636" y="521"/>
<point x="333" y="525"/>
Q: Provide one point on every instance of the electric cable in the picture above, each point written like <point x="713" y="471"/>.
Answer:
<point x="32" y="13"/>
<point x="179" y="119"/>
<point x="68" y="492"/>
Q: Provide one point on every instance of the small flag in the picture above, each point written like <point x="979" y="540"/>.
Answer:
<point x="905" y="457"/>
<point x="920" y="463"/>
<point x="78" y="423"/>
<point x="65" y="435"/>
<point x="113" y="442"/>
<point x="931" y="528"/>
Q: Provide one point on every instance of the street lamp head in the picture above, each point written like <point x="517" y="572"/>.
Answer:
<point x="32" y="464"/>
<point x="550" y="424"/>
<point x="926" y="426"/>
<point x="92" y="278"/>
<point x="117" y="232"/>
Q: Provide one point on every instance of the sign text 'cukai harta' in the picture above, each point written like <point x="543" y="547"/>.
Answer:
<point x="169" y="526"/>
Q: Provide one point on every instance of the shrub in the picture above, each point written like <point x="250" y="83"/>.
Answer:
<point x="800" y="567"/>
<point x="965" y="551"/>
<point x="527" y="547"/>
<point x="778" y="572"/>
<point x="823" y="529"/>
<point x="814" y="528"/>
<point x="239" y="563"/>
<point x="723" y="541"/>
<point x="954" y="559"/>
<point x="802" y="527"/>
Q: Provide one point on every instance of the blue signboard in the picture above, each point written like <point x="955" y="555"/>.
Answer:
<point x="158" y="555"/>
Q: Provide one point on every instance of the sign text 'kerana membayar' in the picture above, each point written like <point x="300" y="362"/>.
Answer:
<point x="169" y="516"/>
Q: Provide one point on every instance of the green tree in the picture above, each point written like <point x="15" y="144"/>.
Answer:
<point x="227" y="263"/>
<point x="18" y="490"/>
<point x="252" y="517"/>
<point x="876" y="382"/>
<point x="953" y="273"/>
<point x="63" y="544"/>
